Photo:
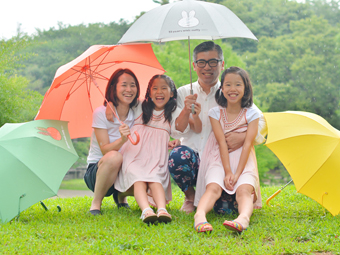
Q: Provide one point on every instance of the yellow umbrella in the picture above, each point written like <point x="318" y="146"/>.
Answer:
<point x="308" y="146"/>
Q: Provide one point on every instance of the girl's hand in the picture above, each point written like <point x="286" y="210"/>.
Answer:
<point x="229" y="181"/>
<point x="197" y="109"/>
<point x="236" y="176"/>
<point x="174" y="143"/>
<point x="124" y="131"/>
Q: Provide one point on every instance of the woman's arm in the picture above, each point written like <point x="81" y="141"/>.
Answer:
<point x="248" y="143"/>
<point x="104" y="141"/>
<point x="218" y="132"/>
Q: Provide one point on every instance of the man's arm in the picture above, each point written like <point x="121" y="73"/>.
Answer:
<point x="182" y="120"/>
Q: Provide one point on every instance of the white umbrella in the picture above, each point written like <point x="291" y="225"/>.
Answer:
<point x="187" y="19"/>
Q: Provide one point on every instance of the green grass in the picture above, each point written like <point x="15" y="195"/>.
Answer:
<point x="74" y="184"/>
<point x="294" y="225"/>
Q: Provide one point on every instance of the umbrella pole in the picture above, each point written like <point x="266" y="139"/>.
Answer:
<point x="191" y="90"/>
<point x="114" y="113"/>
<point x="277" y="192"/>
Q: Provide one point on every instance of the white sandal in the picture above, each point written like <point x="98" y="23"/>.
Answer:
<point x="148" y="217"/>
<point x="163" y="215"/>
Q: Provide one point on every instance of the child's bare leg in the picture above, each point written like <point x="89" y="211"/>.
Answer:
<point x="158" y="194"/>
<point x="108" y="168"/>
<point x="245" y="204"/>
<point x="139" y="189"/>
<point x="212" y="193"/>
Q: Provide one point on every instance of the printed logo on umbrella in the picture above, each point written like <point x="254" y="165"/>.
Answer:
<point x="188" y="20"/>
<point x="50" y="131"/>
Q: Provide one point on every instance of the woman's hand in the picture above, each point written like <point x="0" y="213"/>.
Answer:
<point x="124" y="131"/>
<point x="174" y="143"/>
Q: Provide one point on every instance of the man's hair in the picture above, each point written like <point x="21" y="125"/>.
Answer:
<point x="208" y="46"/>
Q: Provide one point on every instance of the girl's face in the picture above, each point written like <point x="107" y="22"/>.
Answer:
<point x="233" y="88"/>
<point x="126" y="89"/>
<point x="160" y="93"/>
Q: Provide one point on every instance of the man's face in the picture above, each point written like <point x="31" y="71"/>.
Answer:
<point x="207" y="75"/>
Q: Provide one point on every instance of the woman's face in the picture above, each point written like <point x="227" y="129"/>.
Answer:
<point x="160" y="93"/>
<point x="126" y="89"/>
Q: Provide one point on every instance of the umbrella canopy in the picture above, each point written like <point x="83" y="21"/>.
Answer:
<point x="187" y="18"/>
<point x="35" y="157"/>
<point x="74" y="94"/>
<point x="309" y="148"/>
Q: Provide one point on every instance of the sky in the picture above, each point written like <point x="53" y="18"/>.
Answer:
<point x="44" y="14"/>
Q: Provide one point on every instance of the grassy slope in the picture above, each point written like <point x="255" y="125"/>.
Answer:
<point x="294" y="225"/>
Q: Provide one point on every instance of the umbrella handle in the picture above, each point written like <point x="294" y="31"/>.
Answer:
<point x="137" y="137"/>
<point x="272" y="196"/>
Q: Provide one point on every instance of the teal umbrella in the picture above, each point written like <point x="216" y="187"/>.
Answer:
<point x="35" y="157"/>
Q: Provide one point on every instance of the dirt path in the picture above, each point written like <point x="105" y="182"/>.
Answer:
<point x="63" y="193"/>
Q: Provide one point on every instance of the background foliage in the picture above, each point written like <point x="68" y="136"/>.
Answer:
<point x="293" y="66"/>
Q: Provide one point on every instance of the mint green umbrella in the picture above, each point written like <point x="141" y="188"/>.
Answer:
<point x="35" y="157"/>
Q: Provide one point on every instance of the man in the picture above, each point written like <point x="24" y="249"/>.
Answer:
<point x="208" y="62"/>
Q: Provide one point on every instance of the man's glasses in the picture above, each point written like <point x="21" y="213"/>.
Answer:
<point x="211" y="62"/>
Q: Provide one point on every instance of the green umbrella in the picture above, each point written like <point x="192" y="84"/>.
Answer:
<point x="35" y="157"/>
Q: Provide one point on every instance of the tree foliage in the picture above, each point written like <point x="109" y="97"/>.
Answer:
<point x="18" y="104"/>
<point x="299" y="71"/>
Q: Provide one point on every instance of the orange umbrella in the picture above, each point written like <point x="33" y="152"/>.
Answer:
<point x="79" y="86"/>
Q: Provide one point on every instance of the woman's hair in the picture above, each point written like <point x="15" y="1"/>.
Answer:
<point x="148" y="106"/>
<point x="111" y="89"/>
<point x="247" y="99"/>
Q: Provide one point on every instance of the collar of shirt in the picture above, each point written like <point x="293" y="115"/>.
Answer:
<point x="213" y="89"/>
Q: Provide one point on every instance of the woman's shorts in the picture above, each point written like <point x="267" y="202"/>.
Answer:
<point x="90" y="179"/>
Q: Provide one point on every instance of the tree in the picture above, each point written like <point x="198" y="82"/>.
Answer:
<point x="299" y="71"/>
<point x="18" y="104"/>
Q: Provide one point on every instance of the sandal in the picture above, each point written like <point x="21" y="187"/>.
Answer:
<point x="163" y="215"/>
<point x="148" y="217"/>
<point x="234" y="226"/>
<point x="203" y="227"/>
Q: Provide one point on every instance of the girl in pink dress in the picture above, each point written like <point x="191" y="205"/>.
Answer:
<point x="145" y="165"/>
<point x="234" y="172"/>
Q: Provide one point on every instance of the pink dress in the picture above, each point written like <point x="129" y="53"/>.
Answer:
<point x="148" y="160"/>
<point x="211" y="169"/>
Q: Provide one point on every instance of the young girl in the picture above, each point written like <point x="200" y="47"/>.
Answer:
<point x="145" y="164"/>
<point x="104" y="159"/>
<point x="234" y="172"/>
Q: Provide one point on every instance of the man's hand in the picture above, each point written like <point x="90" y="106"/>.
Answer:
<point x="235" y="140"/>
<point x="174" y="143"/>
<point x="188" y="101"/>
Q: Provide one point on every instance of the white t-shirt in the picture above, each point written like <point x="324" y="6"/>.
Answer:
<point x="197" y="141"/>
<point x="100" y="121"/>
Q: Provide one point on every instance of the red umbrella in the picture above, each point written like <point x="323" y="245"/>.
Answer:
<point x="79" y="86"/>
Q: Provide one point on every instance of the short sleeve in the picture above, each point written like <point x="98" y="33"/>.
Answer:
<point x="99" y="118"/>
<point x="253" y="113"/>
<point x="215" y="113"/>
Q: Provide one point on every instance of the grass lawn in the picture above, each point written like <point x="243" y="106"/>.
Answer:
<point x="294" y="225"/>
<point x="74" y="184"/>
